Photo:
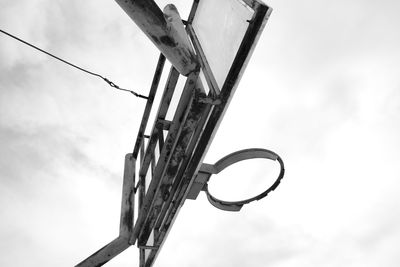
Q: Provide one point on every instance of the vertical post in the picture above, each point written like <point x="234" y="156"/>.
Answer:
<point x="152" y="21"/>
<point x="112" y="249"/>
<point x="128" y="197"/>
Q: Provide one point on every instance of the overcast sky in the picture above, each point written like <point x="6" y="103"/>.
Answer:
<point x="322" y="90"/>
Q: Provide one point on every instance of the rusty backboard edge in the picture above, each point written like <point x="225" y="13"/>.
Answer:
<point x="193" y="11"/>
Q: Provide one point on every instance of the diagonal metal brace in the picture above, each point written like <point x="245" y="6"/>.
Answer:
<point x="121" y="243"/>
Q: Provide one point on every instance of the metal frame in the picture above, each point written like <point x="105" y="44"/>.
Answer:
<point x="182" y="150"/>
<point x="207" y="125"/>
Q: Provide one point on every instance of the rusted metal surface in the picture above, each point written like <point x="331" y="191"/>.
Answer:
<point x="151" y="20"/>
<point x="170" y="143"/>
<point x="106" y="253"/>
<point x="128" y="197"/>
<point x="171" y="14"/>
<point x="169" y="163"/>
<point x="178" y="182"/>
<point x="149" y="104"/>
<point x="175" y="164"/>
<point x="174" y="202"/>
<point x="161" y="113"/>
<point x="121" y="243"/>
<point x="168" y="212"/>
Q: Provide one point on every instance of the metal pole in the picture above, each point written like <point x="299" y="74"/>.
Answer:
<point x="162" y="32"/>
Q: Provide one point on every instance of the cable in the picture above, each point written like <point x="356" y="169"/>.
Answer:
<point x="75" y="66"/>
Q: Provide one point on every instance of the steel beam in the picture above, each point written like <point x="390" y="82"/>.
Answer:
<point x="121" y="243"/>
<point x="128" y="197"/>
<point x="106" y="253"/>
<point x="170" y="143"/>
<point x="162" y="32"/>
<point x="149" y="104"/>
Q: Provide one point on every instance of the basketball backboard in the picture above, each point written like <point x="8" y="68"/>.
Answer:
<point x="224" y="34"/>
<point x="218" y="37"/>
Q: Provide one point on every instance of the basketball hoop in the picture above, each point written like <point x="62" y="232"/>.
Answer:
<point x="206" y="170"/>
<point x="211" y="49"/>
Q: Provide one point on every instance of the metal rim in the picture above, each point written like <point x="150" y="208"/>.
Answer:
<point x="233" y="158"/>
